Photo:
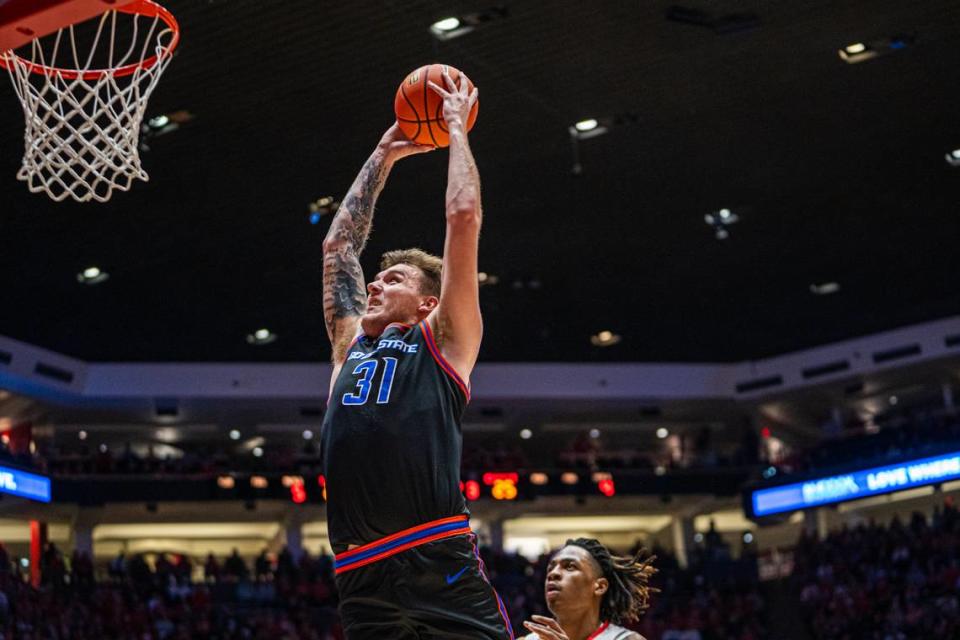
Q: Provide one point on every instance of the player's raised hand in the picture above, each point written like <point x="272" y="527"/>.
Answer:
<point x="457" y="101"/>
<point x="546" y="628"/>
<point x="396" y="145"/>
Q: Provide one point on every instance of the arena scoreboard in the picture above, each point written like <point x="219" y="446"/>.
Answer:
<point x="855" y="485"/>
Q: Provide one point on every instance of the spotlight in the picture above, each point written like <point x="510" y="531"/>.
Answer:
<point x="322" y="207"/>
<point x="825" y="288"/>
<point x="257" y="452"/>
<point x="452" y="27"/>
<point x="748" y="537"/>
<point x="447" y="24"/>
<point x="586" y="125"/>
<point x="307" y="434"/>
<point x="526" y="434"/>
<point x="234" y="434"/>
<point x="953" y="158"/>
<point x="860" y="51"/>
<point x="720" y="221"/>
<point x="261" y="337"/>
<point x="588" y="128"/>
<point x="662" y="433"/>
<point x="159" y="122"/>
<point x="594" y="433"/>
<point x="82" y="435"/>
<point x="92" y="275"/>
<point x="605" y="339"/>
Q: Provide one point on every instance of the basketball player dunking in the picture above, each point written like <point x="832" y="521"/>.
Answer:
<point x="403" y="349"/>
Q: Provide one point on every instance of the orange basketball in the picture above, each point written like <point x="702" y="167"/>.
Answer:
<point x="420" y="110"/>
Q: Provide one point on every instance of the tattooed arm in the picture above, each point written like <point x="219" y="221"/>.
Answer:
<point x="457" y="319"/>
<point x="344" y="291"/>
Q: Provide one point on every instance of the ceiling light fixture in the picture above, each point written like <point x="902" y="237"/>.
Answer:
<point x="234" y="434"/>
<point x="159" y="122"/>
<point x="257" y="452"/>
<point x="662" y="433"/>
<point x="452" y="27"/>
<point x="307" y="434"/>
<point x="485" y="279"/>
<point x="720" y="221"/>
<point x="586" y="125"/>
<point x="322" y="207"/>
<point x="92" y="275"/>
<point x="825" y="288"/>
<point x="82" y="435"/>
<point x="261" y="337"/>
<point x="594" y="433"/>
<point x="860" y="51"/>
<point x="953" y="158"/>
<point x="447" y="24"/>
<point x="605" y="339"/>
<point x="526" y="434"/>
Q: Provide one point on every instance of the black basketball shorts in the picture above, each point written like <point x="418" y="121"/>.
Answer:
<point x="423" y="583"/>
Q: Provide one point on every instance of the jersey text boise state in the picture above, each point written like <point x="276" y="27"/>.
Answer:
<point x="398" y="345"/>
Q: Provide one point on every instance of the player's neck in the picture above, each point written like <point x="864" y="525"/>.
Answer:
<point x="580" y="627"/>
<point x="374" y="328"/>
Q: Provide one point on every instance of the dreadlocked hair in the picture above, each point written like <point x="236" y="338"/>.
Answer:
<point x="628" y="595"/>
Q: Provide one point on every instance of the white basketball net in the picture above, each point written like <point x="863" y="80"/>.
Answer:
<point x="82" y="133"/>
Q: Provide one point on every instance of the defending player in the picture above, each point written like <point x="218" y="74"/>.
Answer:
<point x="591" y="591"/>
<point x="403" y="350"/>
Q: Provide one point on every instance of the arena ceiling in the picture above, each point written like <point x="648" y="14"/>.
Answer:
<point x="836" y="172"/>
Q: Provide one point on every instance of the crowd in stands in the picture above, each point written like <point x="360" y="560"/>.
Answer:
<point x="869" y="582"/>
<point x="907" y="433"/>
<point x="167" y="597"/>
<point x="875" y="582"/>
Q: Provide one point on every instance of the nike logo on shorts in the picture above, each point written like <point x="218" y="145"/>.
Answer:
<point x="456" y="576"/>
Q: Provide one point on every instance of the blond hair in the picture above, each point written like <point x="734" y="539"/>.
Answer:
<point x="430" y="267"/>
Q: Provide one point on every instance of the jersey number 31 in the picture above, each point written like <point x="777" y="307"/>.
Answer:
<point x="367" y="370"/>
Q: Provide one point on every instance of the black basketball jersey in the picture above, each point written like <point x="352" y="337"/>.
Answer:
<point x="391" y="440"/>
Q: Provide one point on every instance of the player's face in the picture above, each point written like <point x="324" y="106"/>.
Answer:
<point x="574" y="582"/>
<point x="394" y="296"/>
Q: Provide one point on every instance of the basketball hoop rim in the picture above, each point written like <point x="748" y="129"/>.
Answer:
<point x="146" y="8"/>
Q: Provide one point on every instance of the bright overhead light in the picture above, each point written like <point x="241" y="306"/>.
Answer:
<point x="604" y="339"/>
<point x="586" y="125"/>
<point x="825" y="288"/>
<point x="594" y="433"/>
<point x="748" y="537"/>
<point x="159" y="122"/>
<point x="953" y="158"/>
<point x="92" y="275"/>
<point x="307" y="434"/>
<point x="257" y="452"/>
<point x="894" y="400"/>
<point x="82" y="435"/>
<point x="662" y="433"/>
<point x="447" y="24"/>
<point x="526" y="434"/>
<point x="856" y="47"/>
<point x="234" y="434"/>
<point x="261" y="337"/>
